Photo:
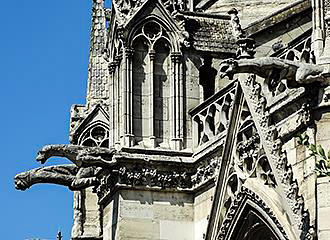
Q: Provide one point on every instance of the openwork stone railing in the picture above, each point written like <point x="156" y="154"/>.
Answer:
<point x="300" y="52"/>
<point x="211" y="118"/>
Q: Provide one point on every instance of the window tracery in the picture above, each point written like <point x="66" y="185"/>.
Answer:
<point x="95" y="136"/>
<point x="151" y="71"/>
<point x="151" y="31"/>
<point x="249" y="160"/>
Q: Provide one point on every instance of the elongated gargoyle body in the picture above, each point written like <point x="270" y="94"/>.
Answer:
<point x="275" y="69"/>
<point x="80" y="155"/>
<point x="68" y="175"/>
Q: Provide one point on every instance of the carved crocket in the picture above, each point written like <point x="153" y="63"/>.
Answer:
<point x="275" y="69"/>
<point x="82" y="174"/>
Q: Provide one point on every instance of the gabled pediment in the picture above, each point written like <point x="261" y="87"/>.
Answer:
<point x="95" y="116"/>
<point x="148" y="9"/>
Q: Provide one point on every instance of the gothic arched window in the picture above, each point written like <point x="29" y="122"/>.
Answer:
<point x="151" y="67"/>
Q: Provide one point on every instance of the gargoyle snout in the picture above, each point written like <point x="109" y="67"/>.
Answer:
<point x="41" y="157"/>
<point x="226" y="70"/>
<point x="20" y="184"/>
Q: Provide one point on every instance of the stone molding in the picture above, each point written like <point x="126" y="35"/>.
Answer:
<point x="154" y="176"/>
<point x="242" y="196"/>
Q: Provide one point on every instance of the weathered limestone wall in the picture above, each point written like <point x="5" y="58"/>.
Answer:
<point x="314" y="190"/>
<point x="250" y="10"/>
<point x="133" y="214"/>
<point x="323" y="208"/>
<point x="303" y="165"/>
<point x="202" y="209"/>
<point x="87" y="218"/>
<point x="192" y="89"/>
<point x="323" y="184"/>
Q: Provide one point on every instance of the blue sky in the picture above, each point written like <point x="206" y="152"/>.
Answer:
<point x="44" y="57"/>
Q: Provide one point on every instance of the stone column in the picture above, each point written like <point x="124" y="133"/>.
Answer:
<point x="191" y="5"/>
<point x="128" y="138"/>
<point x="117" y="102"/>
<point x="112" y="68"/>
<point x="77" y="228"/>
<point x="124" y="99"/>
<point x="318" y="27"/>
<point x="152" y="136"/>
<point x="176" y="105"/>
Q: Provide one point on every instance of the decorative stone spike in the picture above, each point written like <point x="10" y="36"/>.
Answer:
<point x="98" y="60"/>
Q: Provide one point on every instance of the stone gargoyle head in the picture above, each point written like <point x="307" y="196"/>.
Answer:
<point x="228" y="68"/>
<point x="21" y="181"/>
<point x="44" y="154"/>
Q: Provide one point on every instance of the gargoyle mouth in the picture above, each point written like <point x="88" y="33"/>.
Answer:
<point x="41" y="157"/>
<point x="223" y="71"/>
<point x="20" y="184"/>
<point x="226" y="71"/>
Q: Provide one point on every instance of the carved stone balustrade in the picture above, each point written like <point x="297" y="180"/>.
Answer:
<point x="211" y="118"/>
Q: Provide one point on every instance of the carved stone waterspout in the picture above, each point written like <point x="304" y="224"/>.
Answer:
<point x="82" y="174"/>
<point x="79" y="155"/>
<point x="67" y="175"/>
<point x="275" y="69"/>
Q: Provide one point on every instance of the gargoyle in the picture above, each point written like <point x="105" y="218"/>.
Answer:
<point x="275" y="69"/>
<point x="79" y="155"/>
<point x="82" y="174"/>
<point x="67" y="175"/>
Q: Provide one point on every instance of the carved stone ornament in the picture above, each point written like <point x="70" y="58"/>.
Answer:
<point x="106" y="168"/>
<point x="125" y="9"/>
<point x="140" y="175"/>
<point x="243" y="195"/>
<point x="87" y="162"/>
<point x="275" y="69"/>
<point x="248" y="161"/>
<point x="276" y="157"/>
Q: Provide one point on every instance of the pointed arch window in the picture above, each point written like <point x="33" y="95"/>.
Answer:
<point x="151" y="71"/>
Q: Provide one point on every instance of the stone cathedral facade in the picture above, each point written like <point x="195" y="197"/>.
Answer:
<point x="204" y="119"/>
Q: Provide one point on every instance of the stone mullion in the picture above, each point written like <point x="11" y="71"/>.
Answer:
<point x="152" y="136"/>
<point x="127" y="98"/>
<point x="318" y="27"/>
<point x="130" y="96"/>
<point x="112" y="67"/>
<point x="124" y="98"/>
<point x="172" y="109"/>
<point x="176" y="88"/>
<point x="191" y="5"/>
<point x="326" y="17"/>
<point x="117" y="104"/>
<point x="181" y="111"/>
